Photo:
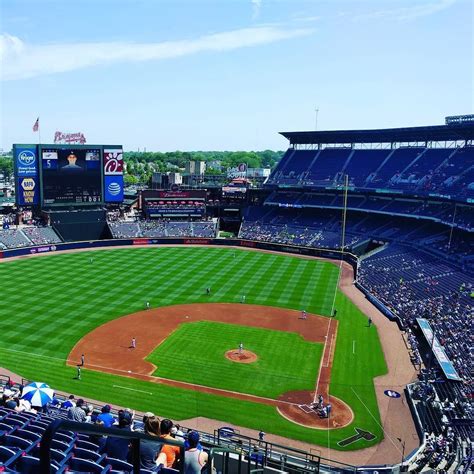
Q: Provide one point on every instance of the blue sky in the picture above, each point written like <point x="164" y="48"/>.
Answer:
<point x="229" y="74"/>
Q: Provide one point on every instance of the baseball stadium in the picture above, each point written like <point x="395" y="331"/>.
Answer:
<point x="315" y="320"/>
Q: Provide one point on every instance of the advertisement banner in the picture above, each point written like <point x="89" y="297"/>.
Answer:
<point x="113" y="161"/>
<point x="26" y="161"/>
<point x="28" y="193"/>
<point x="438" y="350"/>
<point x="113" y="188"/>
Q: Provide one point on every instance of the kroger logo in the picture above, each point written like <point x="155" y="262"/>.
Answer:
<point x="114" y="188"/>
<point x="26" y="158"/>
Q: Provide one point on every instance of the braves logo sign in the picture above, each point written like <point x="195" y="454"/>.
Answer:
<point x="60" y="137"/>
<point x="113" y="162"/>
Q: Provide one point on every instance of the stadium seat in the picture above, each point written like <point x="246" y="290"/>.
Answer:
<point x="28" y="435"/>
<point x="8" y="457"/>
<point x="63" y="437"/>
<point x="84" y="465"/>
<point x="87" y="445"/>
<point x="83" y="453"/>
<point x="118" y="465"/>
<point x="11" y="441"/>
<point x="6" y="429"/>
<point x="31" y="465"/>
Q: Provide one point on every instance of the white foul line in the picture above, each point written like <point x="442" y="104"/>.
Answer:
<point x="353" y="347"/>
<point x="132" y="389"/>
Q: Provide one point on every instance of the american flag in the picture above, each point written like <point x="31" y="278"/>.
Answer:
<point x="36" y="125"/>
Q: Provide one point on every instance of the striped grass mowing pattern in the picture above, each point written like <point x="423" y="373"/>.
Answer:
<point x="194" y="353"/>
<point x="48" y="303"/>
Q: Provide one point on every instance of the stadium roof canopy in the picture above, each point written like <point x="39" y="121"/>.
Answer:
<point x="439" y="133"/>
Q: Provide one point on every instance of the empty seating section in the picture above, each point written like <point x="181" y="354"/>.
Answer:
<point x="328" y="163"/>
<point x="299" y="162"/>
<point x="292" y="166"/>
<point x="427" y="163"/>
<point x="396" y="163"/>
<point x="362" y="164"/>
<point x="408" y="169"/>
<point x="445" y="176"/>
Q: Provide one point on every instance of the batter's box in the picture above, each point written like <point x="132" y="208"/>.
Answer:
<point x="306" y="408"/>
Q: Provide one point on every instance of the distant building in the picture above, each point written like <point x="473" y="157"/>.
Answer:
<point x="175" y="178"/>
<point x="195" y="168"/>
<point x="258" y="172"/>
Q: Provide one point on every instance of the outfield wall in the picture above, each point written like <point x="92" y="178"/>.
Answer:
<point x="292" y="249"/>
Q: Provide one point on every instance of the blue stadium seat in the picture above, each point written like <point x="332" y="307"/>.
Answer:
<point x="84" y="465"/>
<point x="118" y="465"/>
<point x="28" y="435"/>
<point x="31" y="465"/>
<point x="83" y="453"/>
<point x="8" y="457"/>
<point x="87" y="445"/>
<point x="11" y="441"/>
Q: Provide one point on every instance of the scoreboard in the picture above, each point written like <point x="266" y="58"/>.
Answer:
<point x="68" y="175"/>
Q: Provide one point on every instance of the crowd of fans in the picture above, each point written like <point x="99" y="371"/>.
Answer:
<point x="154" y="454"/>
<point x="160" y="228"/>
<point x="414" y="285"/>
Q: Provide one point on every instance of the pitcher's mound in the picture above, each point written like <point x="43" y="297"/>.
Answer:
<point x="244" y="357"/>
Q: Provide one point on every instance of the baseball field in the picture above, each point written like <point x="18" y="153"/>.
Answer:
<point x="50" y="305"/>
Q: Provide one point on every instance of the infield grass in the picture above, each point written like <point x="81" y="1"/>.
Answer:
<point x="195" y="353"/>
<point x="48" y="303"/>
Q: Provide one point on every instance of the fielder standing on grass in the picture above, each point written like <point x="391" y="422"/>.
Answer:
<point x="241" y="348"/>
<point x="78" y="372"/>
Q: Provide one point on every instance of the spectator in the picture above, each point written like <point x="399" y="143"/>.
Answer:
<point x="105" y="418"/>
<point x="118" y="448"/>
<point x="172" y="452"/>
<point x="150" y="450"/>
<point x="77" y="413"/>
<point x="70" y="402"/>
<point x="194" y="458"/>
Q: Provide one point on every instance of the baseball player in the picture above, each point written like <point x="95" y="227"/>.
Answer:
<point x="241" y="348"/>
<point x="133" y="344"/>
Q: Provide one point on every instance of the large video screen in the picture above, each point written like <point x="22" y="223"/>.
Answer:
<point x="71" y="176"/>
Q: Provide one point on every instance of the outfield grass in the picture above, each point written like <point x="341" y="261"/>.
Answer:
<point x="48" y="303"/>
<point x="195" y="353"/>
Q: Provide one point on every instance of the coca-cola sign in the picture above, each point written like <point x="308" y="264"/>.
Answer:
<point x="69" y="138"/>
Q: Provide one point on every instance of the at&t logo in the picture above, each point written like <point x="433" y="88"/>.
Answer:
<point x="114" y="188"/>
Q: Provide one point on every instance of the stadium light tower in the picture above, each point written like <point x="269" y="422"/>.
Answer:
<point x="316" y="109"/>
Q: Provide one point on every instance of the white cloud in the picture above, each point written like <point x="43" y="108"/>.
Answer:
<point x="408" y="13"/>
<point x="20" y="60"/>
<point x="256" y="6"/>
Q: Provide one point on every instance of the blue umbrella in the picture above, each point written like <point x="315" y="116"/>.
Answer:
<point x="37" y="393"/>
